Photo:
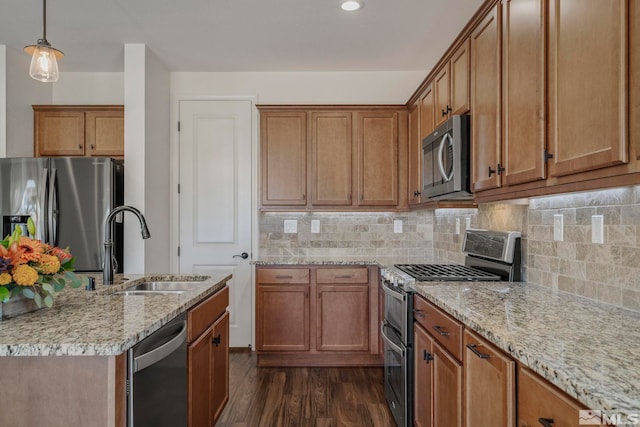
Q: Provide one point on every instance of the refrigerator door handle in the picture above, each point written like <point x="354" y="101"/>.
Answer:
<point x="42" y="230"/>
<point x="52" y="209"/>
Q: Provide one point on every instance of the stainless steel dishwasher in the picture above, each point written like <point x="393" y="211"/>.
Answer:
<point x="157" y="378"/>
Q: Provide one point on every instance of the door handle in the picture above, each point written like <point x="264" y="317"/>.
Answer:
<point x="243" y="255"/>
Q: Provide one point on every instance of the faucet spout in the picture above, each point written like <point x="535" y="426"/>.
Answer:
<point x="107" y="270"/>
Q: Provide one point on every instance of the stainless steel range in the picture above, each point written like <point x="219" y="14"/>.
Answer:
<point x="490" y="256"/>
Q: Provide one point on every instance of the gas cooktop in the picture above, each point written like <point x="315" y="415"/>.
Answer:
<point x="445" y="272"/>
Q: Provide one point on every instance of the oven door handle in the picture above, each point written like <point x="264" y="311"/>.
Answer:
<point x="394" y="294"/>
<point x="157" y="354"/>
<point x="386" y="339"/>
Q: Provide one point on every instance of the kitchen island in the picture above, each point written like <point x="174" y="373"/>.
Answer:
<point x="66" y="365"/>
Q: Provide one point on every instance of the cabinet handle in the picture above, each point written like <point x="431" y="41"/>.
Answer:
<point x="419" y="313"/>
<point x="304" y="197"/>
<point x="441" y="331"/>
<point x="284" y="277"/>
<point x="474" y="350"/>
<point x="92" y="147"/>
<point x="216" y="340"/>
<point x="416" y="193"/>
<point x="491" y="171"/>
<point x="80" y="146"/>
<point x="344" y="276"/>
<point x="546" y="422"/>
<point x="446" y="111"/>
<point x="500" y="169"/>
<point x="427" y="356"/>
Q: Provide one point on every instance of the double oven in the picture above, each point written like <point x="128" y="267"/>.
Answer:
<point x="490" y="256"/>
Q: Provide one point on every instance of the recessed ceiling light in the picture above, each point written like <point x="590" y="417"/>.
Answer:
<point x="350" y="5"/>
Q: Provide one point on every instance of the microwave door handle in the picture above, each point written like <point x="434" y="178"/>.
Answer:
<point x="447" y="177"/>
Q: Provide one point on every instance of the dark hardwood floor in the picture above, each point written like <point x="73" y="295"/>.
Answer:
<point x="308" y="397"/>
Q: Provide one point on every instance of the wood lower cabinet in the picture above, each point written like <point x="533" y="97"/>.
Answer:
<point x="208" y="359"/>
<point x="539" y="400"/>
<point x="331" y="319"/>
<point x="489" y="384"/>
<point x="78" y="130"/>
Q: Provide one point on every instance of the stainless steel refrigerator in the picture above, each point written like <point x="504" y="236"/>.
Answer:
<point x="68" y="198"/>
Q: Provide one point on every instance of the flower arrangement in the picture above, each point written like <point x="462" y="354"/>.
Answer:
<point x="34" y="269"/>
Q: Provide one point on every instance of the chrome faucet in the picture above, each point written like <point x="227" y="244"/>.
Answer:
<point x="107" y="270"/>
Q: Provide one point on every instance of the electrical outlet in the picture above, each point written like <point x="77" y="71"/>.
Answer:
<point x="397" y="226"/>
<point x="597" y="228"/>
<point x="558" y="227"/>
<point x="467" y="223"/>
<point x="457" y="225"/>
<point x="290" y="226"/>
<point x="315" y="225"/>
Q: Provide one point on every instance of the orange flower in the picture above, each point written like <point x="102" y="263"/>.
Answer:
<point x="5" y="279"/>
<point x="61" y="254"/>
<point x="33" y="249"/>
<point x="24" y="275"/>
<point x="49" y="264"/>
<point x="13" y="254"/>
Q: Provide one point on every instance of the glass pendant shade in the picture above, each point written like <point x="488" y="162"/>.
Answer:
<point x="44" y="64"/>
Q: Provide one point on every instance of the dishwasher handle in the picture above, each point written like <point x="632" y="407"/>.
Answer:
<point x="157" y="354"/>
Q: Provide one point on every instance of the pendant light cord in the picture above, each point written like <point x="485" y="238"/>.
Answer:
<point x="44" y="19"/>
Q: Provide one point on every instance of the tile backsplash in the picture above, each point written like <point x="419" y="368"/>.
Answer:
<point x="608" y="272"/>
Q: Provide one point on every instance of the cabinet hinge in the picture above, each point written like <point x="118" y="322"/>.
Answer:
<point x="178" y="250"/>
<point x="178" y="126"/>
<point x="547" y="155"/>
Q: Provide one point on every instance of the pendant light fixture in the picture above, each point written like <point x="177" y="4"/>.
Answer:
<point x="44" y="64"/>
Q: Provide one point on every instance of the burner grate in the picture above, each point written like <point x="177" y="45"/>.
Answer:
<point x="445" y="272"/>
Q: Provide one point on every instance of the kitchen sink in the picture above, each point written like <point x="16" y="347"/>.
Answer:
<point x="171" y="286"/>
<point x="147" y="292"/>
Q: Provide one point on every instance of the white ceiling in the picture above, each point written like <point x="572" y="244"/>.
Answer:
<point x="242" y="35"/>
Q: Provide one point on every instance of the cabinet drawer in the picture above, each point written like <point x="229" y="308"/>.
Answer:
<point x="447" y="331"/>
<point x="283" y="275"/>
<point x="205" y="313"/>
<point x="342" y="275"/>
<point x="538" y="399"/>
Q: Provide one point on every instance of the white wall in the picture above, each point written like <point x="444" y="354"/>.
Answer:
<point x="3" y="100"/>
<point x="89" y="88"/>
<point x="157" y="164"/>
<point x="384" y="87"/>
<point x="22" y="92"/>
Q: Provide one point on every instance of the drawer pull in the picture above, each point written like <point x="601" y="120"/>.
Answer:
<point x="284" y="277"/>
<point x="344" y="276"/>
<point x="441" y="331"/>
<point x="419" y="313"/>
<point x="474" y="350"/>
<point x="546" y="422"/>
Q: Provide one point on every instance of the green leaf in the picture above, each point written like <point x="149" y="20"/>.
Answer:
<point x="69" y="276"/>
<point x="47" y="287"/>
<point x="48" y="301"/>
<point x="28" y="293"/>
<point x="38" y="299"/>
<point x="16" y="291"/>
<point x="31" y="227"/>
<point x="58" y="285"/>
<point x="4" y="293"/>
<point x="76" y="283"/>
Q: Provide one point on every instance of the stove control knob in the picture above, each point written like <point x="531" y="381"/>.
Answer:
<point x="401" y="282"/>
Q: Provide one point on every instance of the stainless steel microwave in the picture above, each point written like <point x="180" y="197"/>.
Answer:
<point x="446" y="161"/>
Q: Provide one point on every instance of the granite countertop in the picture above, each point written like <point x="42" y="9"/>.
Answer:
<point x="311" y="261"/>
<point x="98" y="323"/>
<point x="588" y="349"/>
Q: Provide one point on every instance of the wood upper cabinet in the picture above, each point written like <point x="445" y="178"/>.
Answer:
<point x="524" y="89"/>
<point x="331" y="145"/>
<point x="283" y="145"/>
<point x="588" y="84"/>
<point x="451" y="86"/>
<point x="537" y="399"/>
<point x="634" y="74"/>
<point x="377" y="158"/>
<point x="415" y="156"/>
<point x="78" y="130"/>
<point x="490" y="397"/>
<point x="427" y="112"/>
<point x="485" y="102"/>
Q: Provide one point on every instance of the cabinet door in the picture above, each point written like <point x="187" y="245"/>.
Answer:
<point x="331" y="158"/>
<point x="104" y="133"/>
<point x="485" y="102"/>
<point x="415" y="155"/>
<point x="523" y="86"/>
<point x="441" y="94"/>
<point x="587" y="109"/>
<point x="377" y="158"/>
<point x="282" y="322"/>
<point x="537" y="399"/>
<point x="634" y="74"/>
<point x="489" y="384"/>
<point x="199" y="358"/>
<point x="283" y="144"/>
<point x="459" y="66"/>
<point x="343" y="317"/>
<point x="447" y="389"/>
<point x="220" y="366"/>
<point x="423" y="378"/>
<point x="427" y="113"/>
<point x="59" y="133"/>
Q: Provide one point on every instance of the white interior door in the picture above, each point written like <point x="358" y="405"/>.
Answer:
<point x="215" y="200"/>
